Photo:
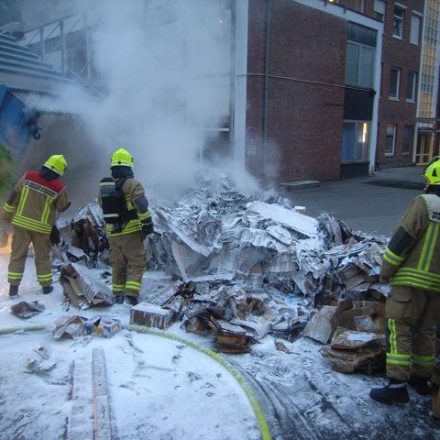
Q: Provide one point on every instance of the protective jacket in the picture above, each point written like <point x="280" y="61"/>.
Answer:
<point x="412" y="256"/>
<point x="33" y="203"/>
<point x="134" y="214"/>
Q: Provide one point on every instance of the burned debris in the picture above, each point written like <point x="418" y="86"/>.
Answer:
<point x="240" y="267"/>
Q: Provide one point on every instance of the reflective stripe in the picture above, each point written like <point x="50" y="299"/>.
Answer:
<point x="429" y="241"/>
<point x="392" y="258"/>
<point x="133" y="285"/>
<point x="15" y="275"/>
<point x="118" y="287"/>
<point x="23" y="198"/>
<point x="144" y="215"/>
<point x="424" y="361"/>
<point x="8" y="208"/>
<point x="46" y="210"/>
<point x="31" y="224"/>
<point x="44" y="276"/>
<point x="392" y="337"/>
<point x="408" y="276"/>
<point x="398" y="359"/>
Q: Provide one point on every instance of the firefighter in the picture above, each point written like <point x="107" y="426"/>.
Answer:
<point x="128" y="222"/>
<point x="411" y="264"/>
<point x="32" y="209"/>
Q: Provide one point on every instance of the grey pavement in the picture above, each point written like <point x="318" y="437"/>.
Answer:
<point x="371" y="204"/>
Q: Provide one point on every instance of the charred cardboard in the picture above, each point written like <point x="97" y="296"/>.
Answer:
<point x="319" y="328"/>
<point x="82" y="292"/>
<point x="348" y="313"/>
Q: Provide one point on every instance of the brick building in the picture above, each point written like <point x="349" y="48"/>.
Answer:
<point x="313" y="89"/>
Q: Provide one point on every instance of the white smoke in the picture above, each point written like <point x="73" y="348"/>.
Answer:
<point x="165" y="68"/>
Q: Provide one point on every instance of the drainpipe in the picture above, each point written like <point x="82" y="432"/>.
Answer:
<point x="266" y="83"/>
<point x="232" y="76"/>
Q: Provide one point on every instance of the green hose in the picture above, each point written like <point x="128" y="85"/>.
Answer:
<point x="264" y="427"/>
<point x="29" y="328"/>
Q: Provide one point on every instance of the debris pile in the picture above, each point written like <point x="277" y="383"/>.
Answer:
<point x="245" y="266"/>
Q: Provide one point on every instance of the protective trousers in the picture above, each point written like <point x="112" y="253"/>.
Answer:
<point x="128" y="260"/>
<point x="412" y="317"/>
<point x="21" y="239"/>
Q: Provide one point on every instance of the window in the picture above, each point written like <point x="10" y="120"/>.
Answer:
<point x="361" y="51"/>
<point x="359" y="67"/>
<point x="394" y="83"/>
<point x="399" y="14"/>
<point x="411" y="87"/>
<point x="416" y="21"/>
<point x="379" y="9"/>
<point x="355" y="141"/>
<point x="408" y="139"/>
<point x="390" y="140"/>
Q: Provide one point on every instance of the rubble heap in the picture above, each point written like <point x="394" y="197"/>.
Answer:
<point x="236" y="260"/>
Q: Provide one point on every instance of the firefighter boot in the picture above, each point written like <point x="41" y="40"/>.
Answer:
<point x="132" y="300"/>
<point x="47" y="289"/>
<point x="119" y="299"/>
<point x="13" y="290"/>
<point x="394" y="392"/>
<point x="420" y="384"/>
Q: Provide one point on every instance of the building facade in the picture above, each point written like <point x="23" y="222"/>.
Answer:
<point x="312" y="89"/>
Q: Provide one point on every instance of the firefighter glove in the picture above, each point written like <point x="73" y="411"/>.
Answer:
<point x="55" y="236"/>
<point x="147" y="227"/>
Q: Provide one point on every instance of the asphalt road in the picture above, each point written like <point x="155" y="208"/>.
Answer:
<point x="370" y="204"/>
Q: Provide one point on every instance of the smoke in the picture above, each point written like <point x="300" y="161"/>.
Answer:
<point x="163" y="67"/>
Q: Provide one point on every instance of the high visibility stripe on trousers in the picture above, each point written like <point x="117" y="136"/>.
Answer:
<point x="118" y="288"/>
<point x="15" y="277"/>
<point x="133" y="285"/>
<point x="423" y="361"/>
<point x="393" y="357"/>
<point x="45" y="278"/>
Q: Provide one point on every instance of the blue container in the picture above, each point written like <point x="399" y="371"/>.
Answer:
<point x="17" y="122"/>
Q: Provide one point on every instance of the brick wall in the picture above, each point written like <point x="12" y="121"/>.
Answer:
<point x="305" y="104"/>
<point x="406" y="56"/>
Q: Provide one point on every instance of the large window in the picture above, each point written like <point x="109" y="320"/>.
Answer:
<point x="394" y="83"/>
<point x="360" y="64"/>
<point x="411" y="89"/>
<point x="398" y="17"/>
<point x="408" y="139"/>
<point x="379" y="9"/>
<point x="416" y="23"/>
<point x="355" y="140"/>
<point x="390" y="140"/>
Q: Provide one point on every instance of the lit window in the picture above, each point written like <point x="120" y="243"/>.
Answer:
<point x="411" y="87"/>
<point x="416" y="21"/>
<point x="394" y="83"/>
<point x="355" y="141"/>
<point x="390" y="140"/>
<point x="398" y="17"/>
<point x="379" y="9"/>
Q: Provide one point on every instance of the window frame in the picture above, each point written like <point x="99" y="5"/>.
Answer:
<point x="412" y="128"/>
<point x="391" y="97"/>
<point x="361" y="47"/>
<point x="358" y="125"/>
<point x="413" y="97"/>
<point x="415" y="14"/>
<point x="393" y="153"/>
<point x="401" y="20"/>
<point x="377" y="10"/>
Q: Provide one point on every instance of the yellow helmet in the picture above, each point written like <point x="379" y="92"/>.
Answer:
<point x="123" y="158"/>
<point x="56" y="163"/>
<point x="432" y="172"/>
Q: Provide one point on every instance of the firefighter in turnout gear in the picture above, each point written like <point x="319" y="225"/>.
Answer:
<point x="32" y="208"/>
<point x="128" y="222"/>
<point x="411" y="264"/>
